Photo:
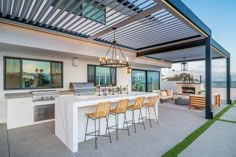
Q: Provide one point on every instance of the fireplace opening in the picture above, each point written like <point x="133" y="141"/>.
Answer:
<point x="188" y="90"/>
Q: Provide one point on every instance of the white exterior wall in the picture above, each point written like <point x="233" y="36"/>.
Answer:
<point x="28" y="43"/>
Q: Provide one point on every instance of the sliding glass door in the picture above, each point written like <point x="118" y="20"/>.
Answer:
<point x="138" y="80"/>
<point x="145" y="80"/>
<point x="153" y="81"/>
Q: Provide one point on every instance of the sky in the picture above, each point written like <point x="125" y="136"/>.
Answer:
<point x="220" y="17"/>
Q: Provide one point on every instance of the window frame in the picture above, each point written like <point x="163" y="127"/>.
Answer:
<point x="146" y="78"/>
<point x="94" y="78"/>
<point x="21" y="72"/>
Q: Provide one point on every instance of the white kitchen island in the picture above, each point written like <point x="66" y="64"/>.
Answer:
<point x="70" y="118"/>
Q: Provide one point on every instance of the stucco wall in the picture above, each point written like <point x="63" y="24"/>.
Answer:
<point x="26" y="43"/>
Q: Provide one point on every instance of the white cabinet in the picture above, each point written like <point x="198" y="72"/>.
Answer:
<point x="3" y="109"/>
<point x="19" y="112"/>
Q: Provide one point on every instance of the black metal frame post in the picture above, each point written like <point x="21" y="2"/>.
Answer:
<point x="208" y="66"/>
<point x="228" y="80"/>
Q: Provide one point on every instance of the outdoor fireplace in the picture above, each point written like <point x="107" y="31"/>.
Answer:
<point x="188" y="90"/>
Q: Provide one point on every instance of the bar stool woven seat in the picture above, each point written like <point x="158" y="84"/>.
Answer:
<point x="121" y="108"/>
<point x="137" y="106"/>
<point x="102" y="111"/>
<point x="151" y="104"/>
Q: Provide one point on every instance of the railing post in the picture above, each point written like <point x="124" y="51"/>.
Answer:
<point x="228" y="81"/>
<point x="208" y="66"/>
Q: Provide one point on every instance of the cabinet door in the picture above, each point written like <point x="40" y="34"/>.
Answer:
<point x="19" y="112"/>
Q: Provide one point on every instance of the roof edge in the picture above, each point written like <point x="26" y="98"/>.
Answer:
<point x="185" y="11"/>
<point x="220" y="48"/>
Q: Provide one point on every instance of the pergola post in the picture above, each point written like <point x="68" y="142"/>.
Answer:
<point x="208" y="66"/>
<point x="228" y="80"/>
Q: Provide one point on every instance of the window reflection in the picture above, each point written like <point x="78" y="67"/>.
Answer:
<point x="102" y="76"/>
<point x="145" y="81"/>
<point x="153" y="81"/>
<point x="28" y="73"/>
<point x="138" y="80"/>
<point x="36" y="74"/>
<point x="56" y="75"/>
<point x="12" y="78"/>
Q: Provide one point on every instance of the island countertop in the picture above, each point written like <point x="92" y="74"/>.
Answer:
<point x="89" y="100"/>
<point x="70" y="115"/>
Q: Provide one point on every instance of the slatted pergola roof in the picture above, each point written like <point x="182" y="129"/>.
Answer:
<point x="141" y="24"/>
<point x="159" y="29"/>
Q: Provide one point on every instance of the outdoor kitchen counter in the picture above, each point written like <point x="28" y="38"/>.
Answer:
<point x="29" y="94"/>
<point x="70" y="118"/>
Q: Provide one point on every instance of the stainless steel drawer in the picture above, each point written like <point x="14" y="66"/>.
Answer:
<point x="44" y="112"/>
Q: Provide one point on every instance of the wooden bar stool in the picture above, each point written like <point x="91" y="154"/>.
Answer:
<point x="102" y="111"/>
<point x="121" y="108"/>
<point x="137" y="106"/>
<point x="151" y="104"/>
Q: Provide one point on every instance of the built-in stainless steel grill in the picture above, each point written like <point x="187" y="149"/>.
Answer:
<point x="44" y="104"/>
<point x="82" y="88"/>
<point x="44" y="95"/>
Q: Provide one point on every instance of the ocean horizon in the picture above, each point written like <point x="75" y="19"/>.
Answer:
<point x="222" y="84"/>
<point x="215" y="84"/>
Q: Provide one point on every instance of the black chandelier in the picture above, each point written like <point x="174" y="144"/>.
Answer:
<point x="112" y="58"/>
<point x="184" y="66"/>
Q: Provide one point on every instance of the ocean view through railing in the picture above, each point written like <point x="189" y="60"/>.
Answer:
<point x="222" y="84"/>
<point x="217" y="87"/>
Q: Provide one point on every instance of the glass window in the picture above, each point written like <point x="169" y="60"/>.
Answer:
<point x="91" y="73"/>
<point x="153" y="81"/>
<point x="56" y="74"/>
<point x="36" y="74"/>
<point x="29" y="73"/>
<point x="138" y="80"/>
<point x="103" y="76"/>
<point x="12" y="78"/>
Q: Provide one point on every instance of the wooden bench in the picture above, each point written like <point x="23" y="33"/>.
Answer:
<point x="199" y="101"/>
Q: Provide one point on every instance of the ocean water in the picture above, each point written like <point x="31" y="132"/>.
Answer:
<point x="222" y="84"/>
<point x="215" y="84"/>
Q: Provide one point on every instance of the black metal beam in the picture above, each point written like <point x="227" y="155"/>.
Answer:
<point x="208" y="65"/>
<point x="167" y="48"/>
<point x="228" y="80"/>
<point x="180" y="61"/>
<point x="170" y="42"/>
<point x="194" y="60"/>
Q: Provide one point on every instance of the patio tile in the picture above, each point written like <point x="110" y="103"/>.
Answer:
<point x="3" y="141"/>
<point x="218" y="140"/>
<point x="175" y="124"/>
<point x="230" y="115"/>
<point x="36" y="141"/>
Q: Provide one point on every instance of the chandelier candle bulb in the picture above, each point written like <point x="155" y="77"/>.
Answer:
<point x="115" y="61"/>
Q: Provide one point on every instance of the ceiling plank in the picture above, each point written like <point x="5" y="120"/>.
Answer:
<point x="134" y="18"/>
<point x="34" y="10"/>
